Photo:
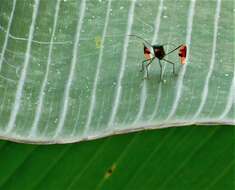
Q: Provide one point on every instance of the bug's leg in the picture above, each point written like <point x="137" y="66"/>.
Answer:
<point x="160" y="70"/>
<point x="148" y="66"/>
<point x="173" y="64"/>
<point x="143" y="62"/>
<point x="147" y="72"/>
<point x="142" y="67"/>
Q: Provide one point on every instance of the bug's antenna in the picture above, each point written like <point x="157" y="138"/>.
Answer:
<point x="170" y="42"/>
<point x="174" y="50"/>
<point x="144" y="44"/>
<point x="140" y="38"/>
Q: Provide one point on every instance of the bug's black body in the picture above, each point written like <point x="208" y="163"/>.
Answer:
<point x="160" y="54"/>
<point x="159" y="51"/>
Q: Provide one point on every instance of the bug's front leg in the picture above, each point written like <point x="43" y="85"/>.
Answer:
<point x="147" y="70"/>
<point x="142" y="67"/>
<point x="143" y="62"/>
<point x="160" y="70"/>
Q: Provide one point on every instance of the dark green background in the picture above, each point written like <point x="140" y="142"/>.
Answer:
<point x="190" y="157"/>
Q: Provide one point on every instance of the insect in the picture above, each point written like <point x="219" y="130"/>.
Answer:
<point x="160" y="54"/>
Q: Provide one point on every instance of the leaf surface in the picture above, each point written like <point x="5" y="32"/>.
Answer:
<point x="70" y="72"/>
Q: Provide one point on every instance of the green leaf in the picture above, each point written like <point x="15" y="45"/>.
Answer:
<point x="70" y="72"/>
<point x="167" y="159"/>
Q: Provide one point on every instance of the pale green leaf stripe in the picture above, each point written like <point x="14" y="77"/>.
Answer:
<point x="72" y="69"/>
<point x="122" y="69"/>
<point x="34" y="128"/>
<point x="231" y="100"/>
<point x="93" y="94"/>
<point x="16" y="105"/>
<point x="7" y="34"/>
<point x="179" y="84"/>
<point x="205" y="89"/>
